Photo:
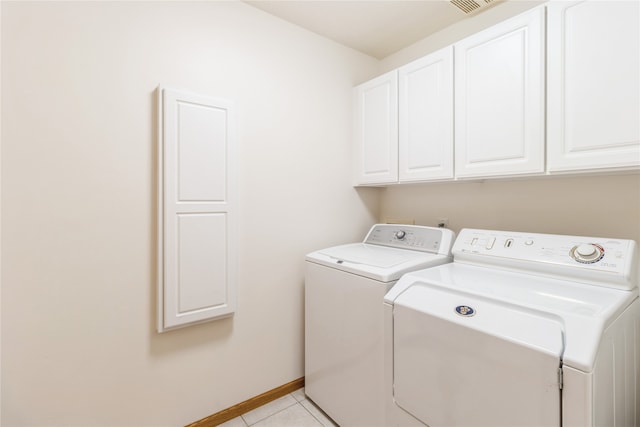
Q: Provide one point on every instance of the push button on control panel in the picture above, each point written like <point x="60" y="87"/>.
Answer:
<point x="490" y="242"/>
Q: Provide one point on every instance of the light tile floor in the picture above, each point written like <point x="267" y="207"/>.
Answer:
<point x="292" y="410"/>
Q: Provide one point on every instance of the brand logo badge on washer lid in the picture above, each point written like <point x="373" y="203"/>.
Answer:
<point x="465" y="310"/>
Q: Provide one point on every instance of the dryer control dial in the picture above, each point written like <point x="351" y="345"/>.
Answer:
<point x="587" y="253"/>
<point x="400" y="235"/>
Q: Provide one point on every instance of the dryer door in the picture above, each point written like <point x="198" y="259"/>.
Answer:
<point x="464" y="360"/>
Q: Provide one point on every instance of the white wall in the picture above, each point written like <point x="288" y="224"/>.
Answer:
<point x="78" y="204"/>
<point x="607" y="206"/>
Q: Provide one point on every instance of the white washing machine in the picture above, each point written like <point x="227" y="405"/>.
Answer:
<point x="344" y="291"/>
<point x="520" y="330"/>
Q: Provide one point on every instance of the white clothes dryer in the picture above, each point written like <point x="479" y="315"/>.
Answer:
<point x="521" y="329"/>
<point x="344" y="322"/>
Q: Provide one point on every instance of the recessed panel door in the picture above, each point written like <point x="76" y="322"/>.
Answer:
<point x="499" y="99"/>
<point x="426" y="118"/>
<point x="197" y="209"/>
<point x="593" y="102"/>
<point x="376" y="133"/>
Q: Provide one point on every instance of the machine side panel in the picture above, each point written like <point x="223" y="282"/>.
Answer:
<point x="616" y="384"/>
<point x="344" y="337"/>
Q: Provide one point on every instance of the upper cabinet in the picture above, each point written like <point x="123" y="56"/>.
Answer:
<point x="494" y="103"/>
<point x="404" y="123"/>
<point x="376" y="133"/>
<point x="426" y="118"/>
<point x="499" y="99"/>
<point x="593" y="104"/>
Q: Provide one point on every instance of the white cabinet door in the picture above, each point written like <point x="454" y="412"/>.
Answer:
<point x="376" y="133"/>
<point x="197" y="209"/>
<point x="499" y="99"/>
<point x="593" y="85"/>
<point x="426" y="118"/>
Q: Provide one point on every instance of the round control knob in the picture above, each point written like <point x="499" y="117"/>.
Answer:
<point x="587" y="253"/>
<point x="400" y="235"/>
<point x="586" y="250"/>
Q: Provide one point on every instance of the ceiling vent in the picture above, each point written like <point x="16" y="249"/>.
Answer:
<point x="472" y="6"/>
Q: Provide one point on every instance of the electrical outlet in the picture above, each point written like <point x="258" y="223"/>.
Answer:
<point x="442" y="222"/>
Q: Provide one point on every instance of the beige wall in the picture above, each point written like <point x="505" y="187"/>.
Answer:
<point x="597" y="206"/>
<point x="78" y="205"/>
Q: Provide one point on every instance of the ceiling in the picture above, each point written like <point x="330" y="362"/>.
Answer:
<point x="375" y="27"/>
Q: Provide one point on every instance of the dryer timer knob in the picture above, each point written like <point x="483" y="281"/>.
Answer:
<point x="400" y="235"/>
<point x="587" y="253"/>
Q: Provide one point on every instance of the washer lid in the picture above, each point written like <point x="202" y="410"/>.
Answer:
<point x="585" y="310"/>
<point x="529" y="328"/>
<point x="371" y="255"/>
<point x="380" y="263"/>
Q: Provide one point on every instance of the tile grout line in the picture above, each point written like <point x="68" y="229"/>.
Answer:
<point x="310" y="413"/>
<point x="269" y="416"/>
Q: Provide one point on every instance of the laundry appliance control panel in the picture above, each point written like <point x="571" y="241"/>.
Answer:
<point x="603" y="261"/>
<point x="413" y="237"/>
